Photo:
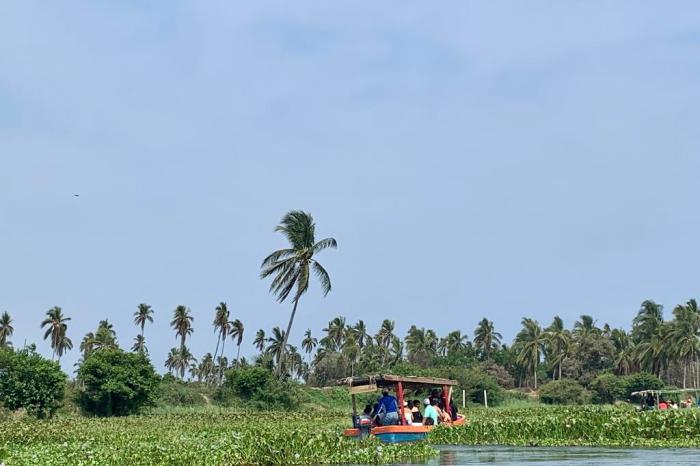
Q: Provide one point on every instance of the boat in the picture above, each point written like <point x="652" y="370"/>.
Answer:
<point x="399" y="384"/>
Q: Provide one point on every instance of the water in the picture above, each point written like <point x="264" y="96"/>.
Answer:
<point x="544" y="456"/>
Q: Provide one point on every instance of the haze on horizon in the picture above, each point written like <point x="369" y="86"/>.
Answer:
<point x="499" y="159"/>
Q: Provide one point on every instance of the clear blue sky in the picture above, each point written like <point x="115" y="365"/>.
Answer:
<point x="499" y="159"/>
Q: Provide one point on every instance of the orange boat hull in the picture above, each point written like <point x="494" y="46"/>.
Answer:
<point x="398" y="434"/>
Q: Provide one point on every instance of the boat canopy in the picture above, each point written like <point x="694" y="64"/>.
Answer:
<point x="389" y="381"/>
<point x="665" y="392"/>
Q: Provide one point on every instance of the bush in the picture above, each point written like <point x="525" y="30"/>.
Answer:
<point x="564" y="392"/>
<point x="260" y="388"/>
<point x="174" y="392"/>
<point x="117" y="383"/>
<point x="642" y="381"/>
<point x="29" y="381"/>
<point x="608" y="388"/>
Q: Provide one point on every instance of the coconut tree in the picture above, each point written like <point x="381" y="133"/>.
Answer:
<point x="291" y="267"/>
<point x="139" y="345"/>
<point x="359" y="330"/>
<point x="486" y="337"/>
<point x="309" y="343"/>
<point x="182" y="323"/>
<point x="143" y="314"/>
<point x="585" y="327"/>
<point x="384" y="338"/>
<point x="222" y="325"/>
<point x="87" y="345"/>
<point x="647" y="322"/>
<point x="421" y="345"/>
<point x="455" y="342"/>
<point x="277" y="347"/>
<point x="260" y="340"/>
<point x="56" y="328"/>
<point x="558" y="341"/>
<point x="682" y="337"/>
<point x="531" y="343"/>
<point x="624" y="351"/>
<point x="6" y="329"/>
<point x="336" y="331"/>
<point x="237" y="330"/>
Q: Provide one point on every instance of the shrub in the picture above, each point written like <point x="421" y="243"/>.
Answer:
<point x="564" y="392"/>
<point x="642" y="381"/>
<point x="117" y="383"/>
<point x="260" y="388"/>
<point x="608" y="388"/>
<point x="29" y="381"/>
<point x="174" y="392"/>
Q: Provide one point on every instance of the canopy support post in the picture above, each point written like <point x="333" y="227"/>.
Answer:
<point x="354" y="409"/>
<point x="399" y="393"/>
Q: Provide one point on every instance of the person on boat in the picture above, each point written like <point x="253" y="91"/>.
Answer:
<point x="663" y="405"/>
<point x="407" y="414"/>
<point x="388" y="409"/>
<point x="453" y="410"/>
<point x="443" y="415"/>
<point x="415" y="411"/>
<point x="365" y="419"/>
<point x="430" y="416"/>
<point x="673" y="404"/>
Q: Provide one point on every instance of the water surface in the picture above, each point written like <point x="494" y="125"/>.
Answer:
<point x="543" y="456"/>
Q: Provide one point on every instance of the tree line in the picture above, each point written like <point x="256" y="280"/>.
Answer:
<point x="669" y="349"/>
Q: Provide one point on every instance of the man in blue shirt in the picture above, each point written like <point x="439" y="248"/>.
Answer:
<point x="388" y="409"/>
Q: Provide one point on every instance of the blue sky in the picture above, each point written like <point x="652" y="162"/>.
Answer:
<point x="499" y="159"/>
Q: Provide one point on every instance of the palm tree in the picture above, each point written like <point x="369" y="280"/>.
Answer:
<point x="237" y="334"/>
<point x="558" y="340"/>
<point x="143" y="314"/>
<point x="336" y="331"/>
<point x="384" y="338"/>
<point x="179" y="359"/>
<point x="585" y="327"/>
<point x="683" y="340"/>
<point x="277" y="347"/>
<point x="455" y="342"/>
<point x="309" y="343"/>
<point x="182" y="323"/>
<point x="291" y="267"/>
<point x="486" y="337"/>
<point x="6" y="329"/>
<point x="531" y="340"/>
<point x="222" y="325"/>
<point x="649" y="318"/>
<point x="421" y="345"/>
<point x="260" y="340"/>
<point x="56" y="329"/>
<point x="87" y="346"/>
<point x="359" y="330"/>
<point x="105" y="337"/>
<point x="624" y="351"/>
<point x="139" y="345"/>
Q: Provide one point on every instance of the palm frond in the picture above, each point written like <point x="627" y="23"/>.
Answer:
<point x="324" y="244"/>
<point x="323" y="277"/>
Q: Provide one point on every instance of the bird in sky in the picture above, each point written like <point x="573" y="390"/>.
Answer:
<point x="76" y="195"/>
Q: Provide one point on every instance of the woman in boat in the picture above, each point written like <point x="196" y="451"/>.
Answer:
<point x="430" y="416"/>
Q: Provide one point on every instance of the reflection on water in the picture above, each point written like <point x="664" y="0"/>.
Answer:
<point x="512" y="456"/>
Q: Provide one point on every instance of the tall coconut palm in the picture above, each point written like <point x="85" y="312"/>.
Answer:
<point x="278" y="350"/>
<point x="87" y="345"/>
<point x="309" y="343"/>
<point x="237" y="330"/>
<point x="182" y="323"/>
<point x="624" y="351"/>
<point x="558" y="341"/>
<point x="222" y="325"/>
<point x="179" y="359"/>
<point x="585" y="327"/>
<point x="647" y="322"/>
<point x="291" y="267"/>
<point x="139" y="345"/>
<point x="421" y="345"/>
<point x="359" y="330"/>
<point x="455" y="342"/>
<point x="6" y="328"/>
<point x="682" y="337"/>
<point x="531" y="341"/>
<point x="336" y="331"/>
<point x="56" y="328"/>
<point x="486" y="337"/>
<point x="260" y="340"/>
<point x="143" y="314"/>
<point x="384" y="338"/>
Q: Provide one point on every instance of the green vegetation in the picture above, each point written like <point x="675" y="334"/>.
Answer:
<point x="572" y="426"/>
<point x="196" y="437"/>
<point x="564" y="392"/>
<point x="116" y="383"/>
<point x="30" y="382"/>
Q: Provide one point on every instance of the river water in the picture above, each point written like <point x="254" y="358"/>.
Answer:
<point x="550" y="456"/>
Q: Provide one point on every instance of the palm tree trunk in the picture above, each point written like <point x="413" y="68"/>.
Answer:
<point x="221" y="367"/>
<point x="286" y="337"/>
<point x="238" y="354"/>
<point x="559" y="370"/>
<point x="216" y="351"/>
<point x="685" y="368"/>
<point x="143" y="324"/>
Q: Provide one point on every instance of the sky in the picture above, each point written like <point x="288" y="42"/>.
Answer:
<point x="473" y="159"/>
